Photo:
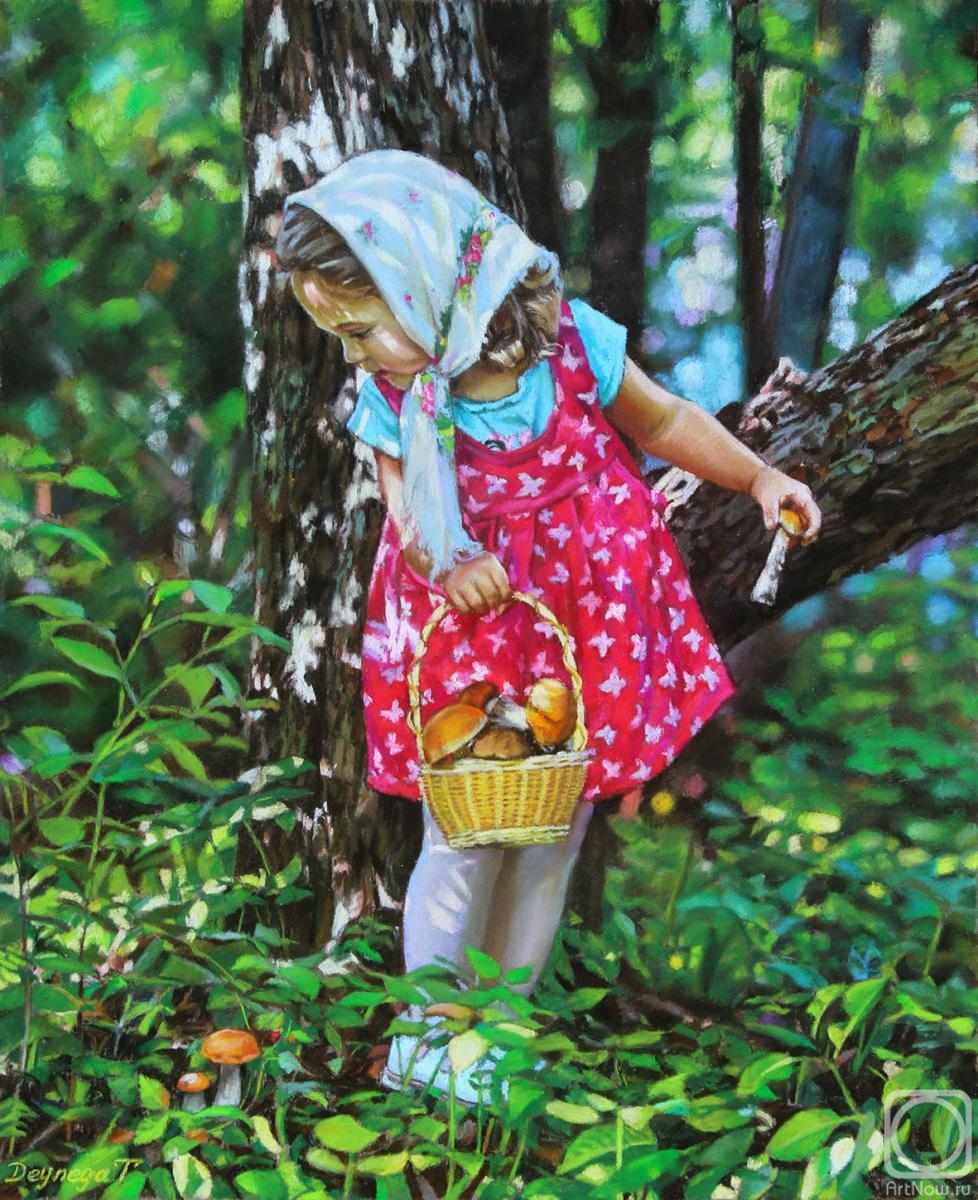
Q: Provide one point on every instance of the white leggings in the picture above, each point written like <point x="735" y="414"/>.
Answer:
<point x="505" y="901"/>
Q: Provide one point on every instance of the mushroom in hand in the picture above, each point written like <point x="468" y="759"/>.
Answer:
<point x="229" y="1048"/>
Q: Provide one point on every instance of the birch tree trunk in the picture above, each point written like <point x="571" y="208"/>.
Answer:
<point x="322" y="81"/>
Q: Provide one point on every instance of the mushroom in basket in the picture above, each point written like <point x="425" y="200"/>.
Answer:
<point x="485" y="724"/>
<point x="449" y="731"/>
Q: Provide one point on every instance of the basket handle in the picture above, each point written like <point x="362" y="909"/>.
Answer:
<point x="563" y="637"/>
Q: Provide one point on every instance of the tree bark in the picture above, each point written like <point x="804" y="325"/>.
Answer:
<point x="520" y="36"/>
<point x="625" y="119"/>
<point x="320" y="82"/>
<point x="887" y="438"/>
<point x="748" y="81"/>
<point x="821" y="184"/>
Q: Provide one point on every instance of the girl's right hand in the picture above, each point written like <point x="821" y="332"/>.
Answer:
<point x="477" y="585"/>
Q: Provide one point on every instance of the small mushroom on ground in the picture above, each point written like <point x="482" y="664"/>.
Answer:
<point x="193" y="1085"/>
<point x="229" y="1048"/>
<point x="551" y="712"/>
<point x="450" y="730"/>
<point x="498" y="743"/>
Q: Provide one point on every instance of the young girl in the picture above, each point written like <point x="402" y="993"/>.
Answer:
<point x="494" y="410"/>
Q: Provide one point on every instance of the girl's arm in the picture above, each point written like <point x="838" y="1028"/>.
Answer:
<point x="475" y="585"/>
<point x="687" y="436"/>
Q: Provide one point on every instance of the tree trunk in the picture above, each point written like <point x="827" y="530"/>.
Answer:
<point x="520" y="36"/>
<point x="748" y="81"/>
<point x="821" y="184"/>
<point x="625" y="120"/>
<point x="887" y="438"/>
<point x="320" y="82"/>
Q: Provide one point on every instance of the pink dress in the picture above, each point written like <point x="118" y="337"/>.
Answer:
<point x="573" y="522"/>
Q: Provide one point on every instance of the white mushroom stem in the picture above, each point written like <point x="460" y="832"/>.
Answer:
<point x="193" y="1102"/>
<point x="506" y="713"/>
<point x="766" y="589"/>
<point x="228" y="1085"/>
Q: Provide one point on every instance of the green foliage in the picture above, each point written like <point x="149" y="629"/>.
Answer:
<point x="769" y="970"/>
<point x="766" y="976"/>
<point x="118" y="253"/>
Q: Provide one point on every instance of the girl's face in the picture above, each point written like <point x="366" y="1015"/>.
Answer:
<point x="372" y="339"/>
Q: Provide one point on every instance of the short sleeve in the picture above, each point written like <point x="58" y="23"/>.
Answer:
<point x="375" y="422"/>
<point x="604" y="344"/>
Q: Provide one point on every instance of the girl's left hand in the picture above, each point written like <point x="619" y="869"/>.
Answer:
<point x="773" y="490"/>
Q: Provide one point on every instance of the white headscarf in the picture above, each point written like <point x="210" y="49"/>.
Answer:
<point x="443" y="260"/>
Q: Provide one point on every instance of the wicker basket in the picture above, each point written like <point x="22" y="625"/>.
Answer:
<point x="513" y="802"/>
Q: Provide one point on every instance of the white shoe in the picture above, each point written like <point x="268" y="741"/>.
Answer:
<point x="411" y="1062"/>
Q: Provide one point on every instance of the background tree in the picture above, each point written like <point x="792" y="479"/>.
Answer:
<point x="821" y="184"/>
<point x="319" y="83"/>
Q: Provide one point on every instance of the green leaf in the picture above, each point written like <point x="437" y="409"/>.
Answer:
<point x="264" y="1185"/>
<point x="192" y="1177"/>
<point x="117" y="313"/>
<point x="483" y="965"/>
<point x="54" y="606"/>
<point x="152" y="1094"/>
<point x="130" y="1187"/>
<point x="345" y="1134"/>
<point x="804" y="1133"/>
<point x="91" y="658"/>
<point x="383" y="1164"/>
<point x="214" y="597"/>
<point x="761" y="1071"/>
<point x="57" y="271"/>
<point x="185" y="758"/>
<point x="323" y="1160"/>
<point x="574" y="1114"/>
<point x="93" y="1170"/>
<point x="72" y="535"/>
<point x="151" y="1129"/>
<point x="63" y="831"/>
<point x="90" y="480"/>
<point x="39" y="679"/>
<point x="263" y="1132"/>
<point x="195" y="681"/>
<point x="306" y="982"/>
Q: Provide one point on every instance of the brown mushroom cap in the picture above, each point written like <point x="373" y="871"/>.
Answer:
<point x="230" y="1046"/>
<point x="193" y="1081"/>
<point x="498" y="743"/>
<point x="478" y="694"/>
<point x="450" y="729"/>
<point x="551" y="712"/>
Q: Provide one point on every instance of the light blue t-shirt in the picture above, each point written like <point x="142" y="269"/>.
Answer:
<point x="511" y="422"/>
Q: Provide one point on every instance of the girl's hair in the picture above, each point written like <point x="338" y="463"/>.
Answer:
<point x="522" y="330"/>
